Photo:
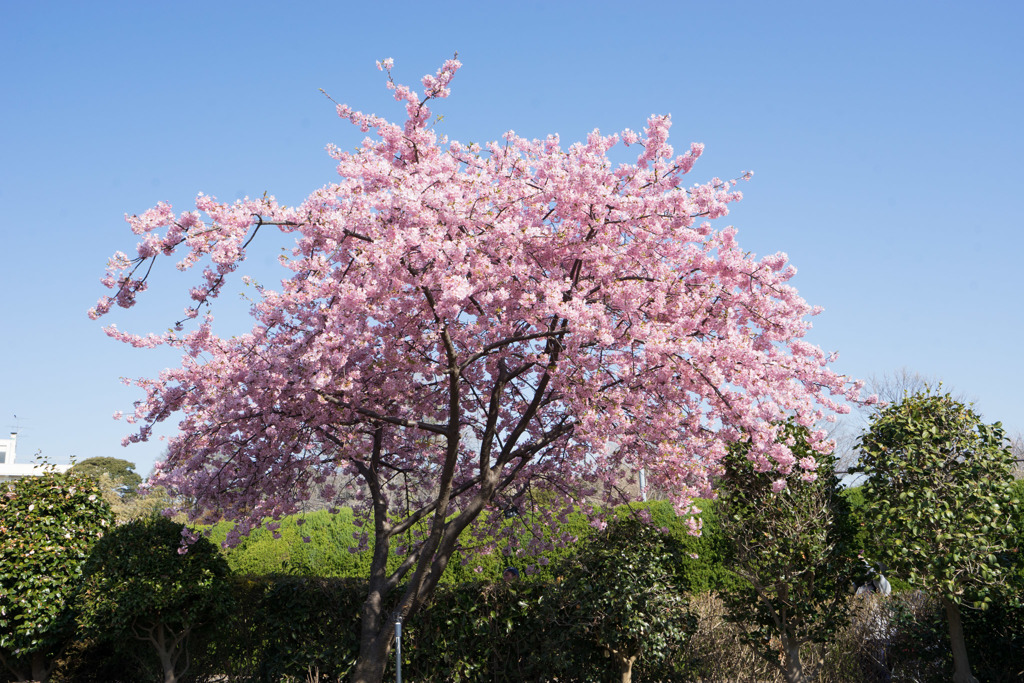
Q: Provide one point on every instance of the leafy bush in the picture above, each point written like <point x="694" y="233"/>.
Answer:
<point x="139" y="583"/>
<point x="327" y="552"/>
<point x="619" y="593"/>
<point x="48" y="525"/>
<point x="284" y="627"/>
<point x="995" y="640"/>
<point x="490" y="631"/>
<point x="289" y="625"/>
<point x="938" y="496"/>
<point x="700" y="560"/>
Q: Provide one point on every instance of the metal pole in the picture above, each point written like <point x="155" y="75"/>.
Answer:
<point x="398" y="649"/>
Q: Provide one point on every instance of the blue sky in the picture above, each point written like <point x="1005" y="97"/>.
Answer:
<point x="885" y="140"/>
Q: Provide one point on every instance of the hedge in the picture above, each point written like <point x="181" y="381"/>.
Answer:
<point x="286" y="627"/>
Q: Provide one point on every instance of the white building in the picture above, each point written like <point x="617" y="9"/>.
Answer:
<point x="11" y="470"/>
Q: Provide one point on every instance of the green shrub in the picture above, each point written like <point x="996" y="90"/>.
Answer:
<point x="515" y="544"/>
<point x="48" y="525"/>
<point x="327" y="553"/>
<point x="288" y="626"/>
<point x="700" y="559"/>
<point x="140" y="583"/>
<point x="283" y="627"/>
<point x="619" y="593"/>
<point x="488" y="631"/>
<point x="995" y="639"/>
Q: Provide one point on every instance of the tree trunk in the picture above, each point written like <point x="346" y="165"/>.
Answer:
<point x="377" y="630"/>
<point x="166" y="656"/>
<point x="373" y="658"/>
<point x="961" y="666"/>
<point x="793" y="670"/>
<point x="625" y="666"/>
<point x="20" y="674"/>
<point x="40" y="671"/>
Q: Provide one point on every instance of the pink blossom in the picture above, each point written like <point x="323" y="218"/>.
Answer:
<point x="808" y="464"/>
<point x="479" y="320"/>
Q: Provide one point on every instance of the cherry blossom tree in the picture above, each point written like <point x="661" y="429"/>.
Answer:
<point x="461" y="326"/>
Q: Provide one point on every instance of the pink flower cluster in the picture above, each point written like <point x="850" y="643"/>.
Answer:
<point x="478" y="318"/>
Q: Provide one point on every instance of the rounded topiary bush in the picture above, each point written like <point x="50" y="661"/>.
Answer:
<point x="619" y="593"/>
<point x="141" y="583"/>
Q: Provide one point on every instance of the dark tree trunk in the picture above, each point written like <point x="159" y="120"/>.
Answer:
<point x="961" y="666"/>
<point x="373" y="658"/>
<point x="41" y="668"/>
<point x="425" y="565"/>
<point x="166" y="652"/>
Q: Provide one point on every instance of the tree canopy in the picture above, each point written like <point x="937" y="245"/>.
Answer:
<point x="121" y="472"/>
<point x="462" y="326"/>
<point x="939" y="503"/>
<point x="138" y="584"/>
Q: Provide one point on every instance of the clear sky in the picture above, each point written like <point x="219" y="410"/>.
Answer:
<point x="885" y="138"/>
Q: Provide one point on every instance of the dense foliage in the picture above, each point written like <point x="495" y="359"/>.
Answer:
<point x="793" y="542"/>
<point x="322" y="544"/>
<point x="939" y="501"/>
<point x="139" y="583"/>
<point x="285" y="627"/>
<point x="620" y="594"/>
<point x="48" y="525"/>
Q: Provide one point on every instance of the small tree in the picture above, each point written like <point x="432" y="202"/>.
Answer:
<point x="48" y="525"/>
<point x="139" y="584"/>
<point x="623" y="596"/>
<point x="792" y="541"/>
<point x="939" y="504"/>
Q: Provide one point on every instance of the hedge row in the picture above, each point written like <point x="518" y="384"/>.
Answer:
<point x="284" y="628"/>
<point x="281" y="627"/>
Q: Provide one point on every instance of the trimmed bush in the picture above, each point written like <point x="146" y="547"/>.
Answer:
<point x="287" y="626"/>
<point x="139" y="583"/>
<point x="327" y="553"/>
<point x="619" y="594"/>
<point x="48" y="525"/>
